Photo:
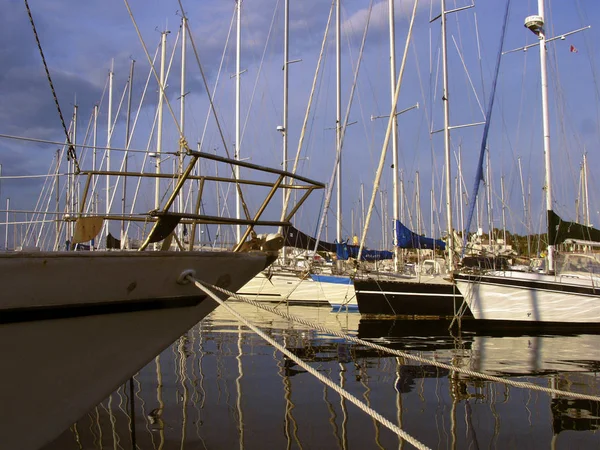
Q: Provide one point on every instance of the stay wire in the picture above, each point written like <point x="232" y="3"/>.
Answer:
<point x="71" y="151"/>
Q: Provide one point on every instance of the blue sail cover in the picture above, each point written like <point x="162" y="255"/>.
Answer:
<point x="405" y="238"/>
<point x="345" y="251"/>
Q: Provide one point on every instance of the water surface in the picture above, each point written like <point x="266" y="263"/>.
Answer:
<point x="221" y="386"/>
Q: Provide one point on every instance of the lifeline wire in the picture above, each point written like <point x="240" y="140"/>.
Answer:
<point x="385" y="422"/>
<point x="519" y="384"/>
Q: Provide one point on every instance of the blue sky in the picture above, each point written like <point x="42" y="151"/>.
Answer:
<point x="82" y="39"/>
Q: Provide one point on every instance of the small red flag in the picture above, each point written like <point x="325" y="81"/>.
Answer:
<point x="573" y="49"/>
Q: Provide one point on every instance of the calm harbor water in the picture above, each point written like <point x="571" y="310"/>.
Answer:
<point x="221" y="386"/>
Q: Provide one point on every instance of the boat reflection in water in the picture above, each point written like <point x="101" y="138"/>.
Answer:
<point x="221" y="386"/>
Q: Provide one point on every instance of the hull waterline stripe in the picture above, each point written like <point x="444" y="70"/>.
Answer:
<point x="410" y="294"/>
<point x="36" y="313"/>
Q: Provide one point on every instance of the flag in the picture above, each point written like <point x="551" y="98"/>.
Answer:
<point x="573" y="49"/>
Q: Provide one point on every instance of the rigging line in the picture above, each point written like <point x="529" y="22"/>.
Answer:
<point x="71" y="152"/>
<point x="307" y="112"/>
<point x="591" y="60"/>
<point x="388" y="131"/>
<point x="486" y="128"/>
<point x="133" y="128"/>
<point x="217" y="80"/>
<point x="46" y="141"/>
<point x="161" y="87"/>
<point x="260" y="66"/>
<point x="45" y="194"/>
<point x="343" y="129"/>
<point x="477" y="38"/>
<point x="212" y="105"/>
<point x="410" y="356"/>
<point x="462" y="60"/>
<point x="323" y="379"/>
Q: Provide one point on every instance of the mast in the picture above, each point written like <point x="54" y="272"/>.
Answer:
<point x="238" y="212"/>
<point x="394" y="130"/>
<point x="525" y="213"/>
<point x="418" y="195"/>
<point x="338" y="118"/>
<point x="587" y="221"/>
<point x="108" y="140"/>
<point x="490" y="209"/>
<point x="460" y="192"/>
<point x="546" y="127"/>
<point x="536" y="25"/>
<point x="72" y="194"/>
<point x="94" y="158"/>
<point x="362" y="205"/>
<point x="57" y="199"/>
<point x="161" y="96"/>
<point x="284" y="130"/>
<point x="127" y="139"/>
<point x="286" y="35"/>
<point x="447" y="140"/>
<point x="6" y="227"/>
<point x="503" y="212"/>
<point x="182" y="110"/>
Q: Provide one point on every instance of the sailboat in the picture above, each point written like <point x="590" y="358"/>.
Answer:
<point x="426" y="293"/>
<point x="75" y="325"/>
<point x="430" y="293"/>
<point x="567" y="292"/>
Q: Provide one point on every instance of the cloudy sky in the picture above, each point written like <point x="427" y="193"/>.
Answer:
<point x="83" y="40"/>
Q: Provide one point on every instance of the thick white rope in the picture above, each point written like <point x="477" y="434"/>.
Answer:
<point x="316" y="326"/>
<point x="206" y="288"/>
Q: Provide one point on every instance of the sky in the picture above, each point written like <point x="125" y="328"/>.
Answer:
<point x="83" y="40"/>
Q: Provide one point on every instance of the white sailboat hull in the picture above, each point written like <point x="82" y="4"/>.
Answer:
<point x="75" y="326"/>
<point x="338" y="290"/>
<point x="531" y="297"/>
<point x="260" y="287"/>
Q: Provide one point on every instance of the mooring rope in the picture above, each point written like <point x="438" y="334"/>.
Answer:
<point x="206" y="288"/>
<point x="316" y="326"/>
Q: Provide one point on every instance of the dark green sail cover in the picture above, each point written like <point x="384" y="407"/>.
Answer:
<point x="560" y="230"/>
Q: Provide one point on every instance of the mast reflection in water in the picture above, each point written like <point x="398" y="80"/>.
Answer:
<point x="221" y="386"/>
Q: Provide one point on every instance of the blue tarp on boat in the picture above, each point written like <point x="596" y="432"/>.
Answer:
<point x="345" y="251"/>
<point x="405" y="238"/>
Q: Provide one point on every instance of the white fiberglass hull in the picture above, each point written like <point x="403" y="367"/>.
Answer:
<point x="338" y="290"/>
<point x="531" y="297"/>
<point x="294" y="288"/>
<point x="260" y="287"/>
<point x="318" y="290"/>
<point x="75" y="326"/>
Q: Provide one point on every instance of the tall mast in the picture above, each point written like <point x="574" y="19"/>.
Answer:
<point x="182" y="112"/>
<point x="127" y="139"/>
<point x="238" y="212"/>
<point x="585" y="191"/>
<point x="161" y="96"/>
<point x="108" y="140"/>
<point x="447" y="141"/>
<point x="284" y="132"/>
<point x="503" y="212"/>
<point x="545" y="123"/>
<point x="284" y="127"/>
<point x="72" y="206"/>
<point x="182" y="100"/>
<point x="394" y="129"/>
<point x="490" y="209"/>
<point x="94" y="157"/>
<point x="57" y="199"/>
<point x="338" y="118"/>
<point x="418" y="195"/>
